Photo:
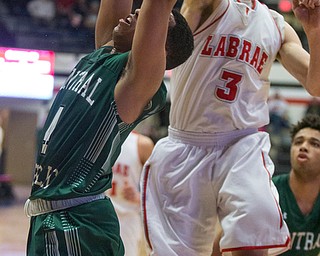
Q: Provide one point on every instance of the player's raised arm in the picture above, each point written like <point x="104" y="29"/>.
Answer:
<point x="147" y="62"/>
<point x="304" y="67"/>
<point x="108" y="17"/>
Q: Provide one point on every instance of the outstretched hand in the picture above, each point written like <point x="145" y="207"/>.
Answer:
<point x="311" y="4"/>
<point x="308" y="13"/>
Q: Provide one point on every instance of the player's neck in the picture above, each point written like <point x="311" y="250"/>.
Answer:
<point x="305" y="192"/>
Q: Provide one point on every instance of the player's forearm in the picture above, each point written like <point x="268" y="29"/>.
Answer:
<point x="148" y="56"/>
<point x="110" y="12"/>
<point x="313" y="77"/>
<point x="308" y="13"/>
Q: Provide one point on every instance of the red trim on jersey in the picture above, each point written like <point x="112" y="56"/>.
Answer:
<point x="135" y="132"/>
<point x="195" y="34"/>
<point x="286" y="244"/>
<point x="144" y="206"/>
<point x="254" y="4"/>
<point x="273" y="18"/>
<point x="264" y="164"/>
<point x="280" y="213"/>
<point x="276" y="201"/>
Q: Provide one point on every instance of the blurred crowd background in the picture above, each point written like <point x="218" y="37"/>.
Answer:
<point x="58" y="25"/>
<point x="68" y="25"/>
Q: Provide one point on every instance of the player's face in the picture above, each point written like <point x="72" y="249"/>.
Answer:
<point x="305" y="153"/>
<point x="124" y="31"/>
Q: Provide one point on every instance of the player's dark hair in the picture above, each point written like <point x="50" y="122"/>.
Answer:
<point x="309" y="121"/>
<point x="179" y="44"/>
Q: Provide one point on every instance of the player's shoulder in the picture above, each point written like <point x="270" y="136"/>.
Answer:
<point x="146" y="141"/>
<point x="280" y="179"/>
<point x="139" y="138"/>
<point x="143" y="140"/>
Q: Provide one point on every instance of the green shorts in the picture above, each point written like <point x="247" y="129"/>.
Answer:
<point x="88" y="229"/>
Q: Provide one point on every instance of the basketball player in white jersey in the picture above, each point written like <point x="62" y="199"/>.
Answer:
<point x="214" y="162"/>
<point x="125" y="192"/>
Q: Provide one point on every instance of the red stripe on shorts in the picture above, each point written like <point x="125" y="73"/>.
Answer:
<point x="249" y="248"/>
<point x="144" y="205"/>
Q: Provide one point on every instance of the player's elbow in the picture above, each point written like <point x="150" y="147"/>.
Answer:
<point x="314" y="90"/>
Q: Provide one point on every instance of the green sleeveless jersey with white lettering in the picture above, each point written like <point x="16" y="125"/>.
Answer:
<point x="83" y="134"/>
<point x="304" y="230"/>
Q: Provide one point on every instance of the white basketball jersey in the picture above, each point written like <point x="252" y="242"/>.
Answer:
<point x="224" y="85"/>
<point x="127" y="169"/>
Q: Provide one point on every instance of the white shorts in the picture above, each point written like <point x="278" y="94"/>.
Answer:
<point x="191" y="179"/>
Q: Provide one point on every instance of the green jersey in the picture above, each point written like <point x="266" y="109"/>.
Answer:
<point x="83" y="133"/>
<point x="304" y="230"/>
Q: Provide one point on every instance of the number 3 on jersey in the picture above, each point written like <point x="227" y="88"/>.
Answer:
<point x="50" y="130"/>
<point x="229" y="90"/>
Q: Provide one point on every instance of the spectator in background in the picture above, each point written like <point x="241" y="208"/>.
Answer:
<point x="125" y="192"/>
<point x="43" y="12"/>
<point x="64" y="9"/>
<point x="278" y="108"/>
<point x="83" y="15"/>
<point x="64" y="6"/>
<point x="91" y="15"/>
<point x="278" y="125"/>
<point x="77" y="14"/>
<point x="299" y="190"/>
<point x="314" y="106"/>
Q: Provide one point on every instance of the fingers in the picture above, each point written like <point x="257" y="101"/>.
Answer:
<point x="310" y="4"/>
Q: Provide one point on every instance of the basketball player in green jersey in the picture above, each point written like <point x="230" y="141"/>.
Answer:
<point x="299" y="190"/>
<point x="106" y="95"/>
